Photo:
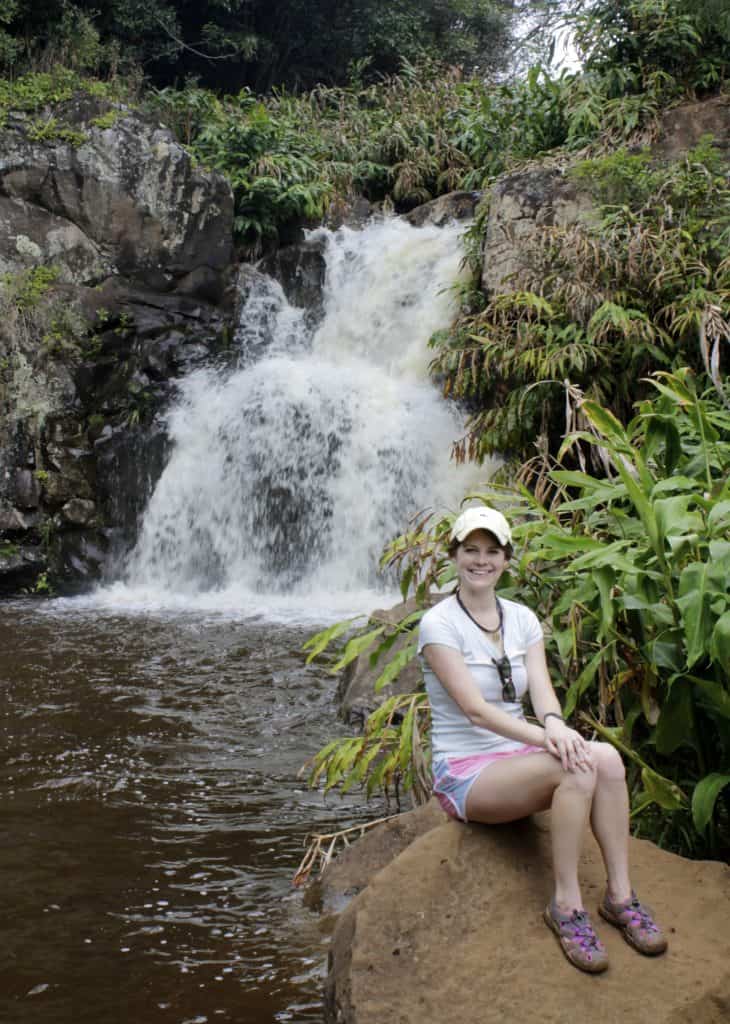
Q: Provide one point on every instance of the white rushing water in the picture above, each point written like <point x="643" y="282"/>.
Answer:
<point x="287" y="476"/>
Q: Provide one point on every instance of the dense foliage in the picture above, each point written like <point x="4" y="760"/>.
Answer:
<point x="229" y="44"/>
<point x="643" y="285"/>
<point x="628" y="570"/>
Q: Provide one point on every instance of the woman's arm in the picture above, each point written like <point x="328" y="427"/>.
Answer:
<point x="541" y="690"/>
<point x="451" y="670"/>
<point x="561" y="741"/>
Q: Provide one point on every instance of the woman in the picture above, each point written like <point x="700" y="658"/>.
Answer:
<point x="480" y="654"/>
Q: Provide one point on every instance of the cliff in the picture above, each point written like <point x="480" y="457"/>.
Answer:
<point x="115" y="257"/>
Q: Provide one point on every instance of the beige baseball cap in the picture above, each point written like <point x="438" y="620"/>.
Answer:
<point x="481" y="517"/>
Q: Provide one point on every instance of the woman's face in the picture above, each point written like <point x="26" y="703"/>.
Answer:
<point x="480" y="560"/>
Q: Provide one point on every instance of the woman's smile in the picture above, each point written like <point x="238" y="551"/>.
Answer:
<point x="480" y="559"/>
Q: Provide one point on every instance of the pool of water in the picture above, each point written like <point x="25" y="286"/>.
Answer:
<point x="152" y="816"/>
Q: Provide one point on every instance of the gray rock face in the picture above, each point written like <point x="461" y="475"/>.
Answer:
<point x="128" y="200"/>
<point x="140" y="242"/>
<point x="522" y="203"/>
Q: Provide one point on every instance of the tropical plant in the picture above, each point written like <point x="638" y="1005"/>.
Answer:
<point x="628" y="571"/>
<point x="598" y="305"/>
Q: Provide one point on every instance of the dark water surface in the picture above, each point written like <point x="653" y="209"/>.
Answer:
<point x="151" y="818"/>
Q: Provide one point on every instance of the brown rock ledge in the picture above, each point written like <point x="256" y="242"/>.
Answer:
<point x="450" y="931"/>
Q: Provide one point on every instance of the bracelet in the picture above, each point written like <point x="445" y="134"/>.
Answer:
<point x="555" y="714"/>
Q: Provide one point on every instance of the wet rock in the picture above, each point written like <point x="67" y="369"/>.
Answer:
<point x="353" y="869"/>
<point x="354" y="213"/>
<point x="441" y="211"/>
<point x="27" y="489"/>
<point x="20" y="566"/>
<point x="79" y="512"/>
<point x="12" y="519"/>
<point x="451" y="930"/>
<point x="300" y="269"/>
<point x="141" y="240"/>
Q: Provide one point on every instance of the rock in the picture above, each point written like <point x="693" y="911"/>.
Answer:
<point x="300" y="269"/>
<point x="27" y="489"/>
<point x="521" y="205"/>
<point x="141" y="241"/>
<point x="32" y="236"/>
<point x="354" y="213"/>
<point x="453" y="206"/>
<point x="79" y="512"/>
<point x="451" y="931"/>
<point x="20" y="566"/>
<point x="11" y="519"/>
<point x="352" y="870"/>
<point x="682" y="127"/>
<point x="356" y="693"/>
<point x="542" y="195"/>
<point x="129" y="197"/>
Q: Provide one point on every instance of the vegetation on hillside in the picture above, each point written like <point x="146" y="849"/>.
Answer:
<point x="232" y="44"/>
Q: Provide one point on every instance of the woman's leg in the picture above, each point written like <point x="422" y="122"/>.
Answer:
<point x="520" y="785"/>
<point x="610" y="819"/>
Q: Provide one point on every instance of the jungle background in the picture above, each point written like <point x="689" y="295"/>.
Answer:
<point x="599" y="377"/>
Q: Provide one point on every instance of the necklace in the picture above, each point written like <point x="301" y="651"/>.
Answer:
<point x="484" y="629"/>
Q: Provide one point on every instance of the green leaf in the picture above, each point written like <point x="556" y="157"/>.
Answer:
<point x="693" y="604"/>
<point x="704" y="797"/>
<point x="673" y="515"/>
<point x="662" y="791"/>
<point x="395" y="666"/>
<point x="714" y="698"/>
<point x="356" y="647"/>
<point x="320" y="641"/>
<point x="719" y="518"/>
<point x="609" y="555"/>
<point x="676" y="725"/>
<point x="720" y="642"/>
<point x="604" y="578"/>
<point x="659" y="789"/>
<point x="581" y="684"/>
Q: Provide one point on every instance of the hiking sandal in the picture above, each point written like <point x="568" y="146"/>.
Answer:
<point x="637" y="924"/>
<point x="577" y="939"/>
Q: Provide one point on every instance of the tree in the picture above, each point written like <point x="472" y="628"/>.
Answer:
<point x="228" y="44"/>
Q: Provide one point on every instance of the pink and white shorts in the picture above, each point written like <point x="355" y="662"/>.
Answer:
<point x="453" y="777"/>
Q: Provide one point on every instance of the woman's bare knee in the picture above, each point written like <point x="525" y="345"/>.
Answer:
<point x="580" y="781"/>
<point x="607" y="760"/>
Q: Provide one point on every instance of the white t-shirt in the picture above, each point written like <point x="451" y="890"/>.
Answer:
<point x="447" y="624"/>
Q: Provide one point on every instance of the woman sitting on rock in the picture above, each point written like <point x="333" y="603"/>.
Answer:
<point x="481" y="654"/>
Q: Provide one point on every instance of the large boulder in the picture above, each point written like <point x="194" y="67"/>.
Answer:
<point x="444" y="209"/>
<point x="451" y="931"/>
<point x="521" y="205"/>
<point x="545" y="195"/>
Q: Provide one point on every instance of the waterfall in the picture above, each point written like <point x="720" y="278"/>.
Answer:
<point x="287" y="475"/>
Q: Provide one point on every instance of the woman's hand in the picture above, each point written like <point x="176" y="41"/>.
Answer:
<point x="573" y="752"/>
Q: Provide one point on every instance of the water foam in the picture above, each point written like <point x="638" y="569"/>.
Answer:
<point x="287" y="476"/>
